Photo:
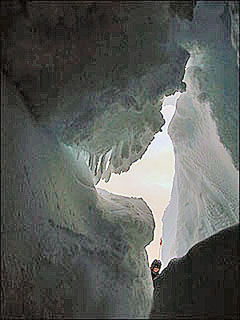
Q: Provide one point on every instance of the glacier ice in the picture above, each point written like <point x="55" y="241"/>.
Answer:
<point x="216" y="58"/>
<point x="79" y="252"/>
<point x="205" y="190"/>
<point x="205" y="194"/>
<point x="89" y="69"/>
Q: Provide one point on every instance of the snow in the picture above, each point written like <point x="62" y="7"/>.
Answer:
<point x="205" y="190"/>
<point x="205" y="194"/>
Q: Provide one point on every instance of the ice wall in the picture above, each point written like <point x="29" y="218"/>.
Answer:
<point x="204" y="131"/>
<point x="66" y="250"/>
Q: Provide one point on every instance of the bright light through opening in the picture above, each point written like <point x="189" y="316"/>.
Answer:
<point x="151" y="177"/>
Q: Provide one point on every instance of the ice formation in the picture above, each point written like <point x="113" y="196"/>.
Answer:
<point x="133" y="117"/>
<point x="205" y="195"/>
<point x="86" y="81"/>
<point x="80" y="253"/>
<point x="118" y="87"/>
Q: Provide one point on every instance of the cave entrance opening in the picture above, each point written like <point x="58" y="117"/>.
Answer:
<point x="151" y="177"/>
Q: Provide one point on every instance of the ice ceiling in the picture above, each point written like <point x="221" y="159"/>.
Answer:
<point x="107" y="104"/>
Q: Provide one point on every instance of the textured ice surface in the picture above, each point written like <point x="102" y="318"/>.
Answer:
<point x="91" y="69"/>
<point x="208" y="40"/>
<point x="126" y="123"/>
<point x="234" y="12"/>
<point x="205" y="190"/>
<point x="67" y="250"/>
<point x="205" y="196"/>
<point x="204" y="131"/>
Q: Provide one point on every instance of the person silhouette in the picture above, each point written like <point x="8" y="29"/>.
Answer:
<point x="155" y="268"/>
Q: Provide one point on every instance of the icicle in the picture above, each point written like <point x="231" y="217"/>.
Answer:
<point x="125" y="150"/>
<point x="90" y="161"/>
<point x="108" y="173"/>
<point x="107" y="165"/>
<point x="96" y="179"/>
<point x="100" y="161"/>
<point x="96" y="165"/>
<point x="100" y="169"/>
<point x="92" y="167"/>
<point x="117" y="155"/>
<point x="87" y="156"/>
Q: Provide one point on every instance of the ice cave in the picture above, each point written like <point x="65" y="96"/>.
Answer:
<point x="83" y="85"/>
<point x="149" y="178"/>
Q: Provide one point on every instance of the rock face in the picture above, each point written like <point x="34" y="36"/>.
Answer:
<point x="204" y="132"/>
<point x="202" y="284"/>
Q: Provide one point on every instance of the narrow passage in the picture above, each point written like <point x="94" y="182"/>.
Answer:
<point x="150" y="177"/>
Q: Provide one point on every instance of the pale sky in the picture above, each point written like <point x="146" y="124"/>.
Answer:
<point x="150" y="177"/>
